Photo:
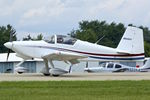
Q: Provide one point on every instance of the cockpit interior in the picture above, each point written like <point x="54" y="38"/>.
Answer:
<point x="61" y="39"/>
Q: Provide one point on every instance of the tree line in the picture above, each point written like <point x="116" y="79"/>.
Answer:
<point x="90" y="31"/>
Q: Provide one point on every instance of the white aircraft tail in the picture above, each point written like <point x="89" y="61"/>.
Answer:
<point x="146" y="65"/>
<point x="132" y="41"/>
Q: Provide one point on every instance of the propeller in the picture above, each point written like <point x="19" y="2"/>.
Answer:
<point x="8" y="54"/>
<point x="12" y="33"/>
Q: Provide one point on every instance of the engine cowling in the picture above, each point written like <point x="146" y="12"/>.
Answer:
<point x="57" y="71"/>
<point x="20" y="69"/>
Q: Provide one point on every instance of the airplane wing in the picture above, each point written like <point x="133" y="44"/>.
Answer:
<point x="121" y="70"/>
<point x="64" y="56"/>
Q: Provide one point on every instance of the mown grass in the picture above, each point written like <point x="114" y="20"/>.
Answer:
<point x="75" y="90"/>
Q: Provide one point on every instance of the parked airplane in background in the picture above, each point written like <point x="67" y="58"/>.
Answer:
<point x="71" y="50"/>
<point x="116" y="67"/>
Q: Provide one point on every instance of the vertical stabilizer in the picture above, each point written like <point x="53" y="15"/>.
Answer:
<point x="132" y="41"/>
<point x="146" y="65"/>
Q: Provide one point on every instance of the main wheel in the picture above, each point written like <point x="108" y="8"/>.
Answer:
<point x="55" y="75"/>
<point x="20" y="72"/>
<point x="46" y="74"/>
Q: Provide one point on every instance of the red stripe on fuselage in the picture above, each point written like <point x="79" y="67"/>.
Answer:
<point x="96" y="54"/>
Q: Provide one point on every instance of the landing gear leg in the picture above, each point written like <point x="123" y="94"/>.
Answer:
<point x="70" y="68"/>
<point x="45" y="70"/>
<point x="18" y="67"/>
<point x="20" y="63"/>
<point x="52" y="65"/>
<point x="58" y="71"/>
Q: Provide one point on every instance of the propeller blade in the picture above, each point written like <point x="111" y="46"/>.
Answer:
<point x="12" y="33"/>
<point x="8" y="54"/>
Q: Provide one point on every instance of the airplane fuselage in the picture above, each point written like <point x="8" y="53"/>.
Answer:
<point x="36" y="49"/>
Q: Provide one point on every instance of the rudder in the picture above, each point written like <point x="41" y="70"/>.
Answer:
<point x="147" y="64"/>
<point x="132" y="41"/>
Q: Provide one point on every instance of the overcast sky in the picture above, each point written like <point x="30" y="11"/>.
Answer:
<point x="61" y="16"/>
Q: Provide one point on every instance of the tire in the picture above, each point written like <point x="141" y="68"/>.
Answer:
<point x="20" y="72"/>
<point x="55" y="75"/>
<point x="46" y="74"/>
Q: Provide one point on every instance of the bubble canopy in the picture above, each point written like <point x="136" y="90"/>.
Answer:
<point x="61" y="39"/>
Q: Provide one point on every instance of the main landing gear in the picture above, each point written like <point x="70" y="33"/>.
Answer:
<point x="54" y="71"/>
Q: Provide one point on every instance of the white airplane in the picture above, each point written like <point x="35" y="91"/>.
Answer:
<point x="117" y="67"/>
<point x="71" y="50"/>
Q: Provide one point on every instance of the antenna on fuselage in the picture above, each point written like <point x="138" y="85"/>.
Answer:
<point x="100" y="39"/>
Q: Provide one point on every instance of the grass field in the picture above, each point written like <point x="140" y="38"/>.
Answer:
<point x="75" y="90"/>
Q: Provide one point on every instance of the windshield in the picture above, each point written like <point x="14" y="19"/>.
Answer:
<point x="110" y="65"/>
<point x="117" y="66"/>
<point x="65" y="40"/>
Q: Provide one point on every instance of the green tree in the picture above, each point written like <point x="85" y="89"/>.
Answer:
<point x="92" y="31"/>
<point x="87" y="35"/>
<point x="27" y="38"/>
<point x="39" y="37"/>
<point x="147" y="49"/>
<point x="5" y="36"/>
<point x="146" y="33"/>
